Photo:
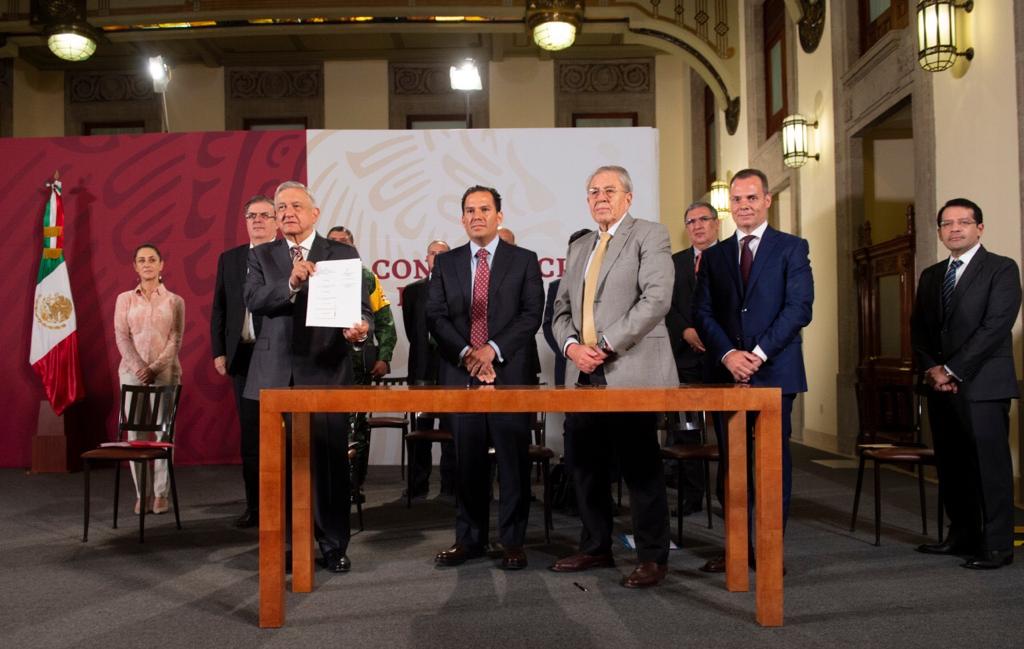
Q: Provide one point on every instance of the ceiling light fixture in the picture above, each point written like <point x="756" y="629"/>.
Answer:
<point x="63" y="22"/>
<point x="554" y="23"/>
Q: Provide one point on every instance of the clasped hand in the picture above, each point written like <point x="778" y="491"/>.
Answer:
<point x="586" y="357"/>
<point x="479" y="363"/>
<point x="742" y="365"/>
<point x="938" y="380"/>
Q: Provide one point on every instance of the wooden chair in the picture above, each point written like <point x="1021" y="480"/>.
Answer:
<point x="427" y="437"/>
<point x="704" y="453"/>
<point x="144" y="409"/>
<point x="541" y="455"/>
<point x="915" y="454"/>
<point x="404" y="423"/>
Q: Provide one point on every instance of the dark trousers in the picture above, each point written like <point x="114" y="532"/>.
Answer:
<point x="509" y="434"/>
<point x="421" y="460"/>
<point x="249" y="424"/>
<point x="787" y="461"/>
<point x="593" y="443"/>
<point x="972" y="454"/>
<point x="331" y="480"/>
<point x="685" y="431"/>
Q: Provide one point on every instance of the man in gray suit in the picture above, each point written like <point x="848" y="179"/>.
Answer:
<point x="287" y="352"/>
<point x="610" y="322"/>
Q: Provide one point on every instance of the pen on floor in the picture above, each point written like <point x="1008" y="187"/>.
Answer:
<point x="580" y="586"/>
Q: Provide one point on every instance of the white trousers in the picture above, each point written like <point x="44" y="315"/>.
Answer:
<point x="157" y="479"/>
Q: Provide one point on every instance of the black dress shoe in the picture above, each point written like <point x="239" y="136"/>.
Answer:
<point x="514" y="558"/>
<point x="249" y="518"/>
<point x="337" y="561"/>
<point x="952" y="545"/>
<point x="457" y="555"/>
<point x="990" y="560"/>
<point x="581" y="561"/>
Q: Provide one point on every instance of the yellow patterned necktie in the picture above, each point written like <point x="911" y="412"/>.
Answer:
<point x="590" y="289"/>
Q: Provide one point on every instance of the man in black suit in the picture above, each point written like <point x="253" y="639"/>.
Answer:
<point x="423" y="362"/>
<point x="233" y="330"/>
<point x="701" y="222"/>
<point x="755" y="294"/>
<point x="961" y="330"/>
<point x="287" y="352"/>
<point x="485" y="305"/>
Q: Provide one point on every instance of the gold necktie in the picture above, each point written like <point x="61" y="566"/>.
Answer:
<point x="590" y="289"/>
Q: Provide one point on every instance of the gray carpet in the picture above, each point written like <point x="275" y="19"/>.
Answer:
<point x="198" y="587"/>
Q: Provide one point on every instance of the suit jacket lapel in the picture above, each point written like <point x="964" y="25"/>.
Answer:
<point x="463" y="280"/>
<point x="971" y="273"/>
<point x="765" y="249"/>
<point x="615" y="247"/>
<point x="732" y="260"/>
<point x="281" y="258"/>
<point x="499" y="269"/>
<point x="317" y="251"/>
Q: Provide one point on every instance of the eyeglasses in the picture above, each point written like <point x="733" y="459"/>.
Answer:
<point x="963" y="223"/>
<point x="265" y="216"/>
<point x="596" y="192"/>
<point x="699" y="219"/>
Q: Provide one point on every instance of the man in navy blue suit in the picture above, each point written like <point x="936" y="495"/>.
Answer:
<point x="754" y="295"/>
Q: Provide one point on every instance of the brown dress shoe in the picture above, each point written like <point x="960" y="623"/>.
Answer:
<point x="457" y="555"/>
<point x="647" y="574"/>
<point x="514" y="558"/>
<point x="580" y="561"/>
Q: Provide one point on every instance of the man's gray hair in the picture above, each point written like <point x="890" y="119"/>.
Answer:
<point x="440" y="241"/>
<point x="294" y="184"/>
<point x="695" y="204"/>
<point x="624" y="179"/>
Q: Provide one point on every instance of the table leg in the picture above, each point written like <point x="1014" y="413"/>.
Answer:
<point x="302" y="498"/>
<point x="272" y="477"/>
<point x="737" y="573"/>
<point x="768" y="492"/>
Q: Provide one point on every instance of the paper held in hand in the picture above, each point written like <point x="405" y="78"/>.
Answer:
<point x="335" y="294"/>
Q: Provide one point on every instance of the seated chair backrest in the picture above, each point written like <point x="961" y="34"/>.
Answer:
<point x="148" y="408"/>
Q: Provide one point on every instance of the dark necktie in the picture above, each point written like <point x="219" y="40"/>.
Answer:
<point x="949" y="285"/>
<point x="296" y="254"/>
<point x="746" y="258"/>
<point x="478" y="312"/>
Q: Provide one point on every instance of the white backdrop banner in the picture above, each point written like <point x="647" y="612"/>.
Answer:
<point x="399" y="190"/>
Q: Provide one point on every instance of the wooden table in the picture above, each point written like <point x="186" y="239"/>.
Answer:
<point x="733" y="401"/>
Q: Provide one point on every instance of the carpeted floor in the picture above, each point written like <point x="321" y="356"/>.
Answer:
<point x="198" y="587"/>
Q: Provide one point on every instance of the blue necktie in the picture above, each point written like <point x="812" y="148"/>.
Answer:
<point x="948" y="285"/>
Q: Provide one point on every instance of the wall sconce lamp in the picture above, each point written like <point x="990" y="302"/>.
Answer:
<point x="554" y="23"/>
<point x="936" y="34"/>
<point x="718" y="196"/>
<point x="795" y="141"/>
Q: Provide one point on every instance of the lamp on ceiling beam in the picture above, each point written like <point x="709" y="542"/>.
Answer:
<point x="68" y="35"/>
<point x="936" y="34"/>
<point x="554" y="23"/>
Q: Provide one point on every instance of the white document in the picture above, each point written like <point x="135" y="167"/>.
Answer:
<point x="335" y="290"/>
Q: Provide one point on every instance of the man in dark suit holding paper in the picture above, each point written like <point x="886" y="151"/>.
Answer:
<point x="288" y="352"/>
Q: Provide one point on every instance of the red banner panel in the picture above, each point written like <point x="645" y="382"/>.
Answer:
<point x="182" y="192"/>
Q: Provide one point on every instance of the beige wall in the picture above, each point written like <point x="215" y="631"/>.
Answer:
<point x="356" y="94"/>
<point x="976" y="149"/>
<point x="888" y="186"/>
<point x="195" y="99"/>
<point x="38" y="102"/>
<point x="522" y="93"/>
<point x="816" y="198"/>
<point x="672" y="117"/>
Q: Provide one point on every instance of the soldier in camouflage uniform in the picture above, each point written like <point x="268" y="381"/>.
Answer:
<point x="372" y="361"/>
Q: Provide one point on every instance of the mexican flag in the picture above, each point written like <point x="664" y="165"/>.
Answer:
<point x="54" y="353"/>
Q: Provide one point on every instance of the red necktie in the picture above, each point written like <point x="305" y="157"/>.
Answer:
<point x="296" y="254"/>
<point x="478" y="312"/>
<point x="696" y="264"/>
<point x="746" y="258"/>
